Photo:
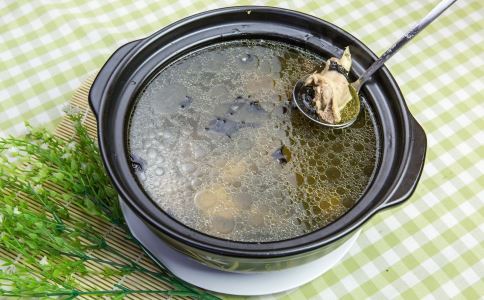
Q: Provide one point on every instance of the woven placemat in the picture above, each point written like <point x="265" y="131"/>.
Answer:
<point x="114" y="235"/>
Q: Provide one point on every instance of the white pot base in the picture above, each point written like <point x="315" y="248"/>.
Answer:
<point x="243" y="284"/>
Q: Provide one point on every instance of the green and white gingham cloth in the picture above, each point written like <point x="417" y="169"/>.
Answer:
<point x="431" y="247"/>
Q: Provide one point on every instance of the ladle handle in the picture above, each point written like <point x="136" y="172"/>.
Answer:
<point x="437" y="11"/>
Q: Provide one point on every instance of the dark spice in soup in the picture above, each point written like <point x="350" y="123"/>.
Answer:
<point x="215" y="143"/>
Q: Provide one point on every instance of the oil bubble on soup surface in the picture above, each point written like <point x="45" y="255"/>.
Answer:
<point x="215" y="143"/>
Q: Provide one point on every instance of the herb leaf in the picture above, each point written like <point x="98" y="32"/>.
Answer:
<point x="46" y="247"/>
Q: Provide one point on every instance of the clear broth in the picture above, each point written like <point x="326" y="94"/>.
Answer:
<point x="215" y="143"/>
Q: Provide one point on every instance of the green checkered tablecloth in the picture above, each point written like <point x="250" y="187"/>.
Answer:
<point x="431" y="247"/>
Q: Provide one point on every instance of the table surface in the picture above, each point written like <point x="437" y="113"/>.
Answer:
<point x="430" y="247"/>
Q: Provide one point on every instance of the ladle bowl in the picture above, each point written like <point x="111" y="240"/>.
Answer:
<point x="351" y="110"/>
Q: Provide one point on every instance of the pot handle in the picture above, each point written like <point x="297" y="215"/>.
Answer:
<point x="97" y="87"/>
<point x="411" y="174"/>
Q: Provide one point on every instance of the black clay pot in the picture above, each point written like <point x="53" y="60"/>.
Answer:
<point x="403" y="142"/>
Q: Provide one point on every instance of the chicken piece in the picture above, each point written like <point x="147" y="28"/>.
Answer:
<point x="234" y="170"/>
<point x="331" y="88"/>
<point x="210" y="198"/>
<point x="218" y="205"/>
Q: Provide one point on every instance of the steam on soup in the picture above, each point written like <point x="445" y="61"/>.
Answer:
<point x="215" y="143"/>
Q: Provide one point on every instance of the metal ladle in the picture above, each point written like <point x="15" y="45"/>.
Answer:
<point x="300" y="93"/>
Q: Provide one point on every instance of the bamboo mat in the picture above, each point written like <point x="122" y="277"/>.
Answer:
<point x="114" y="235"/>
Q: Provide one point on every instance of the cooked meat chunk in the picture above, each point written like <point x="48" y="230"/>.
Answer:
<point x="331" y="88"/>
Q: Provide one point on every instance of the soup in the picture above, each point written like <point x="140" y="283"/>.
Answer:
<point x="215" y="143"/>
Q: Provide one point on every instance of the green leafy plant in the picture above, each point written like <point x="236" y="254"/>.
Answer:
<point x="41" y="175"/>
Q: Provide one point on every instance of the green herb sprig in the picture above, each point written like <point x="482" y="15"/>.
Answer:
<point x="41" y="175"/>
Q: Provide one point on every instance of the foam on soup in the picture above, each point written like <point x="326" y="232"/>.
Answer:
<point x="215" y="143"/>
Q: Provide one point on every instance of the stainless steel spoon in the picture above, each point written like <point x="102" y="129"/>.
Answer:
<point x="306" y="108"/>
